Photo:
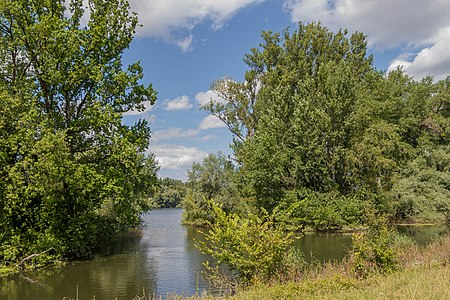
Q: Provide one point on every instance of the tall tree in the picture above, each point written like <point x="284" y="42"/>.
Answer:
<point x="71" y="171"/>
<point x="212" y="180"/>
<point x="293" y="114"/>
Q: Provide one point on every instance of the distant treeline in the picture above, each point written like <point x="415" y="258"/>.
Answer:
<point x="169" y="193"/>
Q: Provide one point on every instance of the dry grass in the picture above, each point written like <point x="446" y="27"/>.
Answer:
<point x="436" y="253"/>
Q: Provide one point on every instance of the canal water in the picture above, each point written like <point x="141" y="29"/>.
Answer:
<point x="163" y="261"/>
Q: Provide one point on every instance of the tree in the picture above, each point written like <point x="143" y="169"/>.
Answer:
<point x="316" y="127"/>
<point x="422" y="191"/>
<point x="210" y="180"/>
<point x="293" y="114"/>
<point x="170" y="193"/>
<point x="72" y="173"/>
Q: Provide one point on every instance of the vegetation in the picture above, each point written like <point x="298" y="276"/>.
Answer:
<point x="71" y="173"/>
<point x="213" y="178"/>
<point x="374" y="250"/>
<point x="250" y="248"/>
<point x="421" y="273"/>
<point x="257" y="249"/>
<point x="420" y="283"/>
<point x="322" y="138"/>
<point x="170" y="193"/>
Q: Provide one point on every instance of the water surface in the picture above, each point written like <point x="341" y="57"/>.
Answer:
<point x="164" y="260"/>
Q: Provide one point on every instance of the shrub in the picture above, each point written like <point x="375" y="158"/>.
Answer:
<point x="374" y="250"/>
<point x="320" y="211"/>
<point x="251" y="248"/>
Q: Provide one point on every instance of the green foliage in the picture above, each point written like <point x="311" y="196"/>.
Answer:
<point x="213" y="178"/>
<point x="252" y="248"/>
<point x="305" y="88"/>
<point x="70" y="173"/>
<point x="422" y="194"/>
<point x="374" y="251"/>
<point x="170" y="193"/>
<point x="320" y="211"/>
<point x="314" y="115"/>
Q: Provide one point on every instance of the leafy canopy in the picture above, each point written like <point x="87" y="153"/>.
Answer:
<point x="318" y="128"/>
<point x="71" y="172"/>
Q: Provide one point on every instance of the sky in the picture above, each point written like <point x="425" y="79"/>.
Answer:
<point x="185" y="45"/>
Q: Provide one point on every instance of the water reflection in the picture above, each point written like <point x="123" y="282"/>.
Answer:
<point x="109" y="277"/>
<point x="323" y="247"/>
<point x="174" y="259"/>
<point x="423" y="234"/>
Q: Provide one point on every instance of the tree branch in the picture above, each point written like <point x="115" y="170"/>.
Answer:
<point x="34" y="255"/>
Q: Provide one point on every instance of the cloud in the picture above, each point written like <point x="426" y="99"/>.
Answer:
<point x="179" y="103"/>
<point x="204" y="98"/>
<point x="433" y="60"/>
<point x="185" y="43"/>
<point x="173" y="133"/>
<point x="147" y="107"/>
<point x="387" y="23"/>
<point x="208" y="138"/>
<point x="180" y="133"/>
<point x="174" y="20"/>
<point x="174" y="160"/>
<point x="151" y="119"/>
<point x="416" y="26"/>
<point x="175" y="157"/>
<point x="211" y="122"/>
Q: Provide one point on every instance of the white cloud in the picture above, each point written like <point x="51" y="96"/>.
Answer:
<point x="414" y="25"/>
<point x="173" y="133"/>
<point x="174" y="20"/>
<point x="175" y="157"/>
<point x="205" y="97"/>
<point x="185" y="43"/>
<point x="387" y="23"/>
<point x="147" y="107"/>
<point x="180" y="133"/>
<point x="179" y="103"/>
<point x="208" y="138"/>
<point x="151" y="119"/>
<point x="211" y="122"/>
<point x="174" y="160"/>
<point x="433" y="60"/>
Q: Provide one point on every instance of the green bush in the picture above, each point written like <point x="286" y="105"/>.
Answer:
<point x="252" y="248"/>
<point x="320" y="211"/>
<point x="374" y="250"/>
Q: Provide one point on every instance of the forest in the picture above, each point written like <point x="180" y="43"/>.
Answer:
<point x="322" y="140"/>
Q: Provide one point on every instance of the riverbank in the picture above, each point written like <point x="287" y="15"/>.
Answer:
<point x="429" y="282"/>
<point x="423" y="273"/>
<point x="164" y="261"/>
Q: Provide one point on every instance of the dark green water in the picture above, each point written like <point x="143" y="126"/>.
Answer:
<point x="163" y="261"/>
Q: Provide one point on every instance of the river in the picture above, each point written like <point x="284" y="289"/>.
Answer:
<point x="163" y="261"/>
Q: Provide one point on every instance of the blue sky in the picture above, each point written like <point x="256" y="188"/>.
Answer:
<point x="184" y="45"/>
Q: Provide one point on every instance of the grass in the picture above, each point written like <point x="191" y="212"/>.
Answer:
<point x="420" y="283"/>
<point x="423" y="273"/>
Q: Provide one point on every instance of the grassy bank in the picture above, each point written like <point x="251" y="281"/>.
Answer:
<point x="429" y="282"/>
<point x="423" y="273"/>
